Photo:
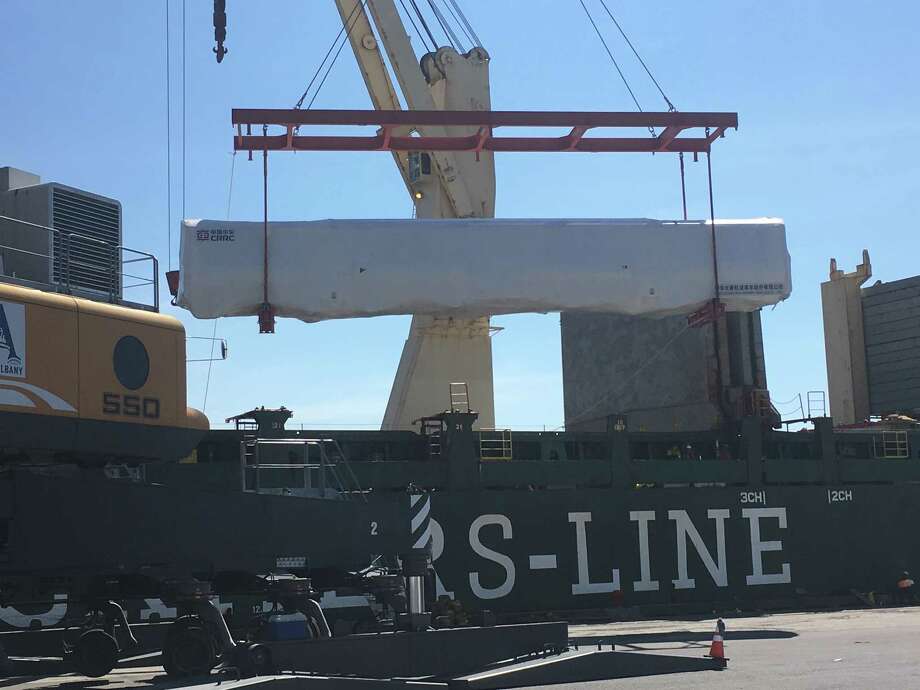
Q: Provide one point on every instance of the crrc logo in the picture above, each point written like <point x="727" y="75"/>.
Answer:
<point x="215" y="235"/>
<point x="12" y="340"/>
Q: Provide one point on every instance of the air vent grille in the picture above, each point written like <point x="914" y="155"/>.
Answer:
<point x="86" y="247"/>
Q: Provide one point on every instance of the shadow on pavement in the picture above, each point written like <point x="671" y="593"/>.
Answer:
<point x="682" y="636"/>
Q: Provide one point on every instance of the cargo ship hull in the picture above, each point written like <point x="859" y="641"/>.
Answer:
<point x="564" y="550"/>
<point x="604" y="548"/>
<point x="537" y="522"/>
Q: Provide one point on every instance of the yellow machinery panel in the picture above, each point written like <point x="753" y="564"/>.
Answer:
<point x="130" y="367"/>
<point x="41" y="332"/>
<point x="107" y="379"/>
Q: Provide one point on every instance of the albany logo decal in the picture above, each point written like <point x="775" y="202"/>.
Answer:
<point x="12" y="340"/>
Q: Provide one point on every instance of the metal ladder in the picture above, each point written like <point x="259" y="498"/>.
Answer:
<point x="248" y="450"/>
<point x="459" y="396"/>
<point x="431" y="430"/>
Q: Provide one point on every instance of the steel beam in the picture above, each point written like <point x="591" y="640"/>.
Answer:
<point x="483" y="118"/>
<point x="579" y="123"/>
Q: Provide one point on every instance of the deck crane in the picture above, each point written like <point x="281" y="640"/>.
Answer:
<point x="443" y="145"/>
<point x="441" y="185"/>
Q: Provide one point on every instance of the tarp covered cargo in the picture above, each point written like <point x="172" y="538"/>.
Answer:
<point x="339" y="269"/>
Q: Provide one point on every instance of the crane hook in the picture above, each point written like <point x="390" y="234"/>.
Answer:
<point x="220" y="28"/>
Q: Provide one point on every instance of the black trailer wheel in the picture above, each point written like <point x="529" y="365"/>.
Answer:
<point x="188" y="651"/>
<point x="258" y="660"/>
<point x="95" y="653"/>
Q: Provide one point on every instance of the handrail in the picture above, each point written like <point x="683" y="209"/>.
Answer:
<point x="115" y="252"/>
<point x="327" y="463"/>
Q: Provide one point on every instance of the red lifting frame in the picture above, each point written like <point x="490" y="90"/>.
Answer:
<point x="669" y="140"/>
<point x="401" y="121"/>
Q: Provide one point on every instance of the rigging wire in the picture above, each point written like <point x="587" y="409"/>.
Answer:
<point x="466" y="23"/>
<point x="168" y="152"/>
<point x="610" y="55"/>
<point x="712" y="220"/>
<point x="207" y="381"/>
<point x="716" y="346"/>
<point x="303" y="96"/>
<point x="421" y="19"/>
<point x="184" y="93"/>
<point x="335" y="57"/>
<point x="459" y="24"/>
<point x="683" y="184"/>
<point x="648" y="71"/>
<point x="445" y="27"/>
<point x="414" y="25"/>
<point x="638" y="57"/>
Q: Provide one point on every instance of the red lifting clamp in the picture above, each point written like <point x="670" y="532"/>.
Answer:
<point x="708" y="314"/>
<point x="267" y="319"/>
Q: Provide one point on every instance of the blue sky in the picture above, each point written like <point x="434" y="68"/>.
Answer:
<point x="825" y="93"/>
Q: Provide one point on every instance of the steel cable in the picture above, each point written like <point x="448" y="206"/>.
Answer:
<point x="421" y="19"/>
<point x="414" y="25"/>
<point x="466" y="22"/>
<point x="612" y="59"/>
<point x="184" y="93"/>
<point x="168" y="151"/>
<point x="638" y="57"/>
<point x="334" y="59"/>
<point x="459" y="23"/>
<point x="207" y="381"/>
<point x="445" y="27"/>
<point x="303" y="97"/>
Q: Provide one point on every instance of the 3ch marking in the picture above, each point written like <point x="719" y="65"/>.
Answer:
<point x="753" y="497"/>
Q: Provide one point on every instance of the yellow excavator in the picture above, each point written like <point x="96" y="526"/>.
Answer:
<point x="91" y="382"/>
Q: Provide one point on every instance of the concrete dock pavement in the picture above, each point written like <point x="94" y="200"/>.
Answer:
<point x="871" y="648"/>
<point x="845" y="649"/>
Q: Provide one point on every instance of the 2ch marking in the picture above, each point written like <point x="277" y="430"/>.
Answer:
<point x="839" y="495"/>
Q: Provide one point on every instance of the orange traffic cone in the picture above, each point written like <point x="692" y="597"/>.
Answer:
<point x="717" y="648"/>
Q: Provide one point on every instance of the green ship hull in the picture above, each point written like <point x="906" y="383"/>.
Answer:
<point x="534" y="522"/>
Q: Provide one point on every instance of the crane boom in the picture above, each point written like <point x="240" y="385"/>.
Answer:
<point x="373" y="70"/>
<point x="442" y="185"/>
<point x="418" y="97"/>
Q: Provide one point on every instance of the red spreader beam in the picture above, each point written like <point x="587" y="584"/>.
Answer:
<point x="393" y="127"/>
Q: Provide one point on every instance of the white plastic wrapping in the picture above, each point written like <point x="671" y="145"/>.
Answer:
<point x="338" y="269"/>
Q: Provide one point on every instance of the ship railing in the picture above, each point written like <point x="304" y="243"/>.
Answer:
<point x="495" y="444"/>
<point x="306" y="478"/>
<point x="106" y="272"/>
<point x="891" y="445"/>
